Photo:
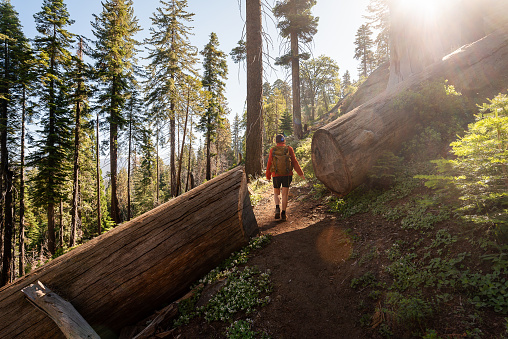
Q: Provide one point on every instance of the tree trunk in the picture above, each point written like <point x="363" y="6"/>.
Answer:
<point x="344" y="151"/>
<point x="120" y="277"/>
<point x="190" y="157"/>
<point x="172" y="132"/>
<point x="183" y="144"/>
<point x="22" y="190"/>
<point x="70" y="322"/>
<point x="75" y="183"/>
<point x="50" y="212"/>
<point x="129" y="214"/>
<point x="8" y="227"/>
<point x="254" y="128"/>
<point x="295" y="80"/>
<point x="61" y="224"/>
<point x="113" y="158"/>
<point x="98" y="181"/>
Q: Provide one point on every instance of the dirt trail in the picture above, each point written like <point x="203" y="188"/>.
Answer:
<point x="310" y="272"/>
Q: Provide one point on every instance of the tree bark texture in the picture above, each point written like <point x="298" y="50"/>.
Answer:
<point x="254" y="129"/>
<point x="344" y="151"/>
<point x="113" y="159"/>
<point x="123" y="275"/>
<point x="295" y="84"/>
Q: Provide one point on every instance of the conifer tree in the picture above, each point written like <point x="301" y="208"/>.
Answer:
<point x="79" y="101"/>
<point x="136" y="118"/>
<point x="115" y="59"/>
<point x="346" y="83"/>
<point x="236" y="137"/>
<point x="53" y="148"/>
<point x="286" y="124"/>
<point x="379" y="19"/>
<point x="215" y="72"/>
<point x="363" y="50"/>
<point x="172" y="58"/>
<point x="297" y="24"/>
<point x="14" y="56"/>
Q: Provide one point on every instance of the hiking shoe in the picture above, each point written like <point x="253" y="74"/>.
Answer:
<point x="283" y="215"/>
<point x="277" y="212"/>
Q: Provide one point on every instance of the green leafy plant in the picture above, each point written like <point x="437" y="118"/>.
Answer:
<point x="409" y="309"/>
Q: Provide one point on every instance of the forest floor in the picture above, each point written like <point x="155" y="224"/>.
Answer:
<point x="313" y="258"/>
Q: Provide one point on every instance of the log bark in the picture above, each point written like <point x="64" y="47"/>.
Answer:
<point x="122" y="276"/>
<point x="344" y="151"/>
<point x="70" y="322"/>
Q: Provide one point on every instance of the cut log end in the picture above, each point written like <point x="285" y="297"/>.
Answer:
<point x="329" y="163"/>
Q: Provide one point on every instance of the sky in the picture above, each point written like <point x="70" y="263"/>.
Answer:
<point x="338" y="22"/>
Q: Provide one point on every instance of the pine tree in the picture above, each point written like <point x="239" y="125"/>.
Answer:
<point x="236" y="138"/>
<point x="172" y="59"/>
<point x="286" y="124"/>
<point x="297" y="24"/>
<point x="53" y="148"/>
<point x="379" y="19"/>
<point x="363" y="50"/>
<point x="79" y="101"/>
<point x="215" y="72"/>
<point x="346" y="83"/>
<point x="114" y="54"/>
<point x="15" y="55"/>
<point x="136" y="118"/>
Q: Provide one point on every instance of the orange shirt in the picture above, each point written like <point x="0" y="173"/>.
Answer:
<point x="296" y="166"/>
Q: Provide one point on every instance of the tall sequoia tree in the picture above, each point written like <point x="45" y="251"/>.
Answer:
<point x="215" y="72"/>
<point x="254" y="57"/>
<point x="53" y="148"/>
<point x="14" y="55"/>
<point x="297" y="24"/>
<point x="172" y="59"/>
<point x="114" y="54"/>
<point x="363" y="50"/>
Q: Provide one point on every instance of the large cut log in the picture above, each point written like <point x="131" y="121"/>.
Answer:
<point x="344" y="151"/>
<point x="140" y="266"/>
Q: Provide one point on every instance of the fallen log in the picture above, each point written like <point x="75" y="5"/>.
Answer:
<point x="70" y="322"/>
<point x="125" y="274"/>
<point x="345" y="150"/>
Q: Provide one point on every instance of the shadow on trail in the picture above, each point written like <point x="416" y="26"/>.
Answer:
<point x="311" y="297"/>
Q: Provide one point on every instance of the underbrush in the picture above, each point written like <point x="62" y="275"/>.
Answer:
<point x="238" y="290"/>
<point x="444" y="270"/>
<point x="436" y="265"/>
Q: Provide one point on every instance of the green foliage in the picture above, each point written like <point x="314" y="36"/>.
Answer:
<point x="479" y="173"/>
<point x="366" y="280"/>
<point x="490" y="289"/>
<point x="441" y="113"/>
<point x="409" y="310"/>
<point x="244" y="289"/>
<point x="286" y="123"/>
<point x="363" y="50"/>
<point x="241" y="329"/>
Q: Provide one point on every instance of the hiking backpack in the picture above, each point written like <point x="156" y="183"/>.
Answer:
<point x="281" y="161"/>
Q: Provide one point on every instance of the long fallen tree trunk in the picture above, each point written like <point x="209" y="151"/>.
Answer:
<point x="120" y="277"/>
<point x="345" y="150"/>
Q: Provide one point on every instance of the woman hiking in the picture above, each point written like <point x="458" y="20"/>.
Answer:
<point x="281" y="162"/>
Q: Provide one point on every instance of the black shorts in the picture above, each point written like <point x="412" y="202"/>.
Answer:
<point x="285" y="181"/>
